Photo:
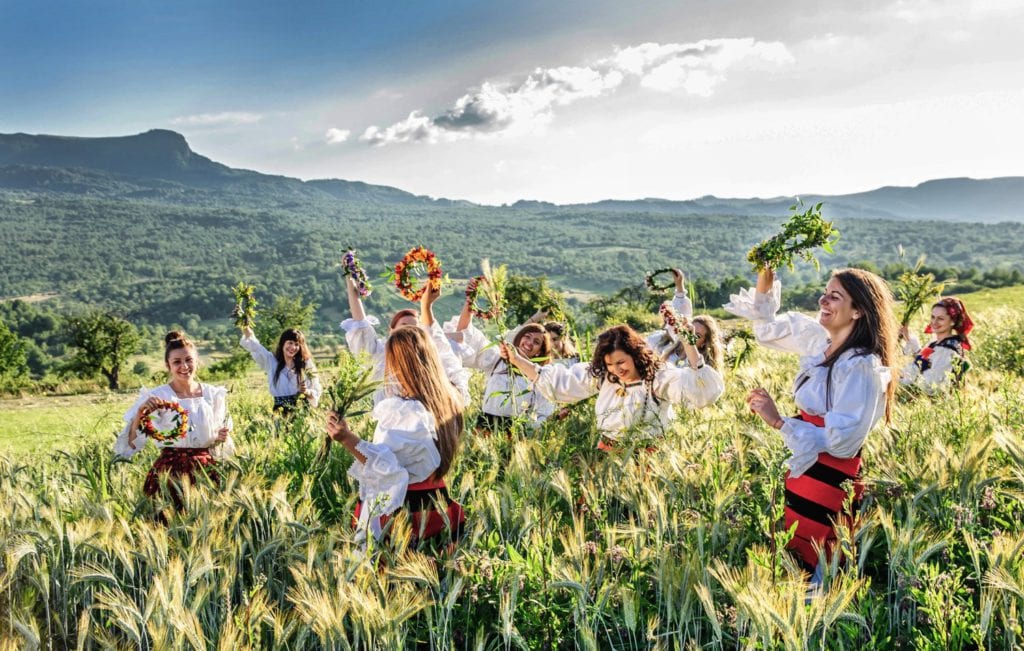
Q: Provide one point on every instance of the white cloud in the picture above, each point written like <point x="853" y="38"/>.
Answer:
<point x="226" y="118"/>
<point x="335" y="136"/>
<point x="497" y="108"/>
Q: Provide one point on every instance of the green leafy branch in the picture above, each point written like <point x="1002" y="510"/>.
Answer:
<point x="804" y="232"/>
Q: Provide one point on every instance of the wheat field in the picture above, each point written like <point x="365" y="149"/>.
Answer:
<point x="566" y="547"/>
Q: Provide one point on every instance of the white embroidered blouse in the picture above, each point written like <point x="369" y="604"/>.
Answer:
<point x="502" y="397"/>
<point x="403" y="451"/>
<point x="944" y="364"/>
<point x="858" y="384"/>
<point x="206" y="414"/>
<point x="362" y="338"/>
<point x="632" y="409"/>
<point x="284" y="383"/>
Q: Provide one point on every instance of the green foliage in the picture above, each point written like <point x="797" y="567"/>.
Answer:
<point x="998" y="342"/>
<point x="804" y="232"/>
<point x="13" y="363"/>
<point x="286" y="312"/>
<point x="524" y="295"/>
<point x="102" y="343"/>
<point x="916" y="289"/>
<point x="244" y="312"/>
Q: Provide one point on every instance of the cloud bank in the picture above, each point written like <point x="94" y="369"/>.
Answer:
<point x="695" y="69"/>
<point x="227" y="118"/>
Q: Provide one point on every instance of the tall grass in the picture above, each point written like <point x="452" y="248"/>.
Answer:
<point x="566" y="547"/>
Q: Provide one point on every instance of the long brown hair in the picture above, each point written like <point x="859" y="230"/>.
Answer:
<point x="712" y="348"/>
<point x="401" y="314"/>
<point x="875" y="332"/>
<point x="545" y="346"/>
<point x="412" y="360"/>
<point x="301" y="359"/>
<point x="624" y="338"/>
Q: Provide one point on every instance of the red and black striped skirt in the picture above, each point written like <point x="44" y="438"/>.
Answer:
<point x="175" y="463"/>
<point x="815" y="499"/>
<point x="421" y="501"/>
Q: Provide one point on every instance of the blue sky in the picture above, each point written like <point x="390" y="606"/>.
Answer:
<point x="566" y="102"/>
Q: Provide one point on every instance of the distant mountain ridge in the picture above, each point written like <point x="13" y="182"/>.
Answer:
<point x="160" y="165"/>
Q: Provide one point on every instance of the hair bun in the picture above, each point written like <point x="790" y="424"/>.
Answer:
<point x="173" y="336"/>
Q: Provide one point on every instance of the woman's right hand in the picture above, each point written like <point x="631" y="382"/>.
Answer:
<point x="904" y="332"/>
<point x="247" y="331"/>
<point x="765" y="280"/>
<point x="337" y="427"/>
<point x="680" y="278"/>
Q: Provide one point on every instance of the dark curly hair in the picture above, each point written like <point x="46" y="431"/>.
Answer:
<point x="624" y="338"/>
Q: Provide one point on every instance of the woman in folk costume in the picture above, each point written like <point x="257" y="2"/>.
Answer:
<point x="508" y="396"/>
<point x="198" y="430"/>
<point x="636" y="392"/>
<point x="943" y="361"/>
<point x="843" y="389"/>
<point x="291" y="372"/>
<point x="362" y="338"/>
<point x="414" y="444"/>
<point x="666" y="343"/>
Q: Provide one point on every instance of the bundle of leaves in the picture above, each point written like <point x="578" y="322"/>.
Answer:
<point x="353" y="383"/>
<point x="915" y="289"/>
<point x="804" y="232"/>
<point x="244" y="313"/>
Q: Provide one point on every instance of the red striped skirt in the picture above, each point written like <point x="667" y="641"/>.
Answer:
<point x="175" y="463"/>
<point x="420" y="501"/>
<point x="814" y="501"/>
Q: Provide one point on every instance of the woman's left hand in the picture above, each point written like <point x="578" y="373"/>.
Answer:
<point x="762" y="404"/>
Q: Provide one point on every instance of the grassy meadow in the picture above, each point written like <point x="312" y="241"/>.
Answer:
<point x="566" y="548"/>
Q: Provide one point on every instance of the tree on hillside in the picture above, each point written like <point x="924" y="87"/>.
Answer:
<point x="102" y="342"/>
<point x="286" y="312"/>
<point x="13" y="362"/>
<point x="524" y="295"/>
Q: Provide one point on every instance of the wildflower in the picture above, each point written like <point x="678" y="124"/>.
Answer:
<point x="590" y="547"/>
<point x="988" y="499"/>
<point x="745" y="487"/>
<point x="617" y="554"/>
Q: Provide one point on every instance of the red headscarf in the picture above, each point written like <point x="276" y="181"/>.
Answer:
<point x="961" y="319"/>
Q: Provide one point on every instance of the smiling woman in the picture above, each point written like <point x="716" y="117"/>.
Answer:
<point x="843" y="389"/>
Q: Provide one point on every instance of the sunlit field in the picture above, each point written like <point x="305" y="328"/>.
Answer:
<point x="566" y="548"/>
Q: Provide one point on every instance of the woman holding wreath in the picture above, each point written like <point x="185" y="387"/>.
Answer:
<point x="843" y="389"/>
<point x="187" y="419"/>
<point x="666" y="341"/>
<point x="636" y="392"/>
<point x="362" y="338"/>
<point x="943" y="361"/>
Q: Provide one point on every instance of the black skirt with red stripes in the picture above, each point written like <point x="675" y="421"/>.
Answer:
<point x="815" y="501"/>
<point x="176" y="464"/>
<point x="421" y="501"/>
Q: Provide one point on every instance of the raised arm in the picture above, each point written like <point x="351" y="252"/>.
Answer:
<point x="355" y="303"/>
<point x="263" y="357"/>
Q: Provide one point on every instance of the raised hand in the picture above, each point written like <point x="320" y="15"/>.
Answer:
<point x="762" y="404"/>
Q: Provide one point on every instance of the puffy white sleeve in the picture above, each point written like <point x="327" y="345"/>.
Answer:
<point x="121" y="446"/>
<point x="682" y="305"/>
<point x="791" y="332"/>
<point x="221" y="418"/>
<point x="859" y="385"/>
<point x="313" y="387"/>
<point x="403" y="451"/>
<point x="694" y="388"/>
<point x="264" y="358"/>
<point x="560" y="383"/>
<point x="452" y="363"/>
<point x="912" y="346"/>
<point x="480" y="352"/>
<point x="362" y="338"/>
<point x="937" y="377"/>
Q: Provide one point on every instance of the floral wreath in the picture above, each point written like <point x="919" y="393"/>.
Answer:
<point x="350" y="266"/>
<point x="652" y="283"/>
<point x="473" y="291"/>
<point x="405" y="280"/>
<point x="671" y="321"/>
<point x="180" y="420"/>
<point x="244" y="313"/>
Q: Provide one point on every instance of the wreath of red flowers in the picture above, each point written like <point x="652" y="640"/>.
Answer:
<point x="149" y="428"/>
<point x="406" y="280"/>
<point x="473" y="290"/>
